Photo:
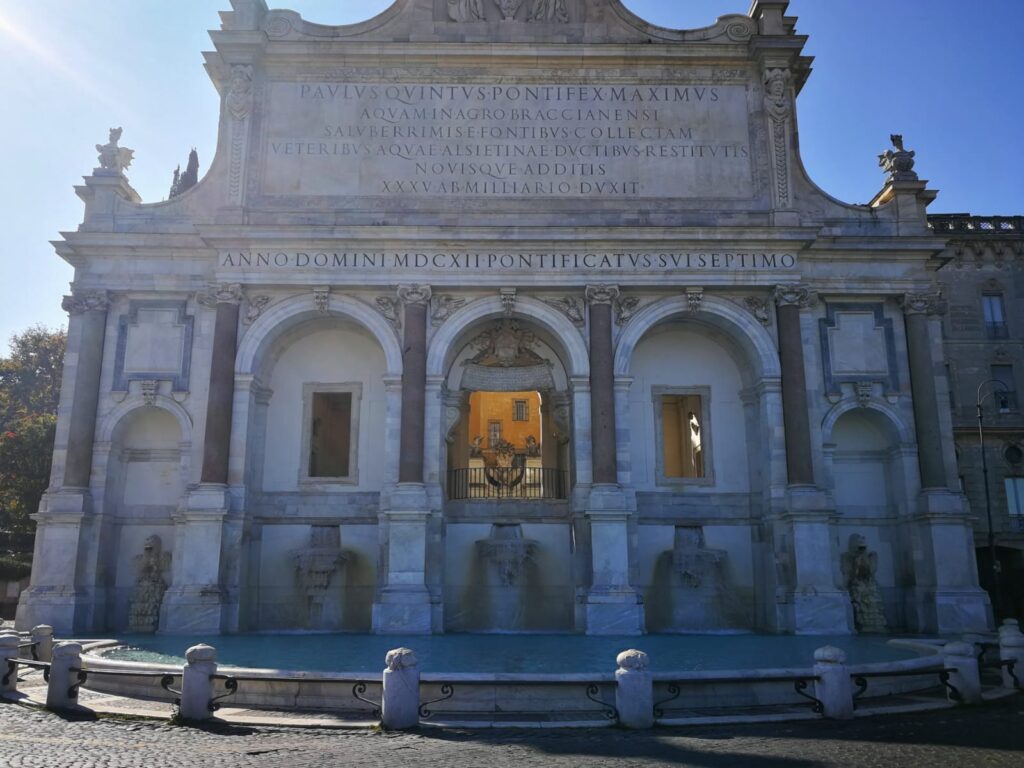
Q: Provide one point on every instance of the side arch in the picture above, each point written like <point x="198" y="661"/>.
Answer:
<point x="557" y="324"/>
<point x="903" y="432"/>
<point x="105" y="432"/>
<point x="719" y="312"/>
<point x="291" y="312"/>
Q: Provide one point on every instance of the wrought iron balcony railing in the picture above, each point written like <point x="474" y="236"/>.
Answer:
<point x="538" y="483"/>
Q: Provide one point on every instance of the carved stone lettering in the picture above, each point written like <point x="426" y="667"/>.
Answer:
<point x="530" y="140"/>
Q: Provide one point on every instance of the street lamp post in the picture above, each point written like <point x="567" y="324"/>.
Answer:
<point x="998" y="387"/>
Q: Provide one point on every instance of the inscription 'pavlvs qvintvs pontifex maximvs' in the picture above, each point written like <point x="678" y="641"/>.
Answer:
<point x="582" y="141"/>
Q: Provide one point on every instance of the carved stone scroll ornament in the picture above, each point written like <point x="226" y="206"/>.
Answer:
<point x="571" y="307"/>
<point x="694" y="299"/>
<point x="795" y="294"/>
<point x="112" y="157"/>
<point x="548" y="11"/>
<point x="864" y="391"/>
<point x="758" y="307"/>
<point x="625" y="308"/>
<point x="465" y="10"/>
<point x="414" y="294"/>
<point x="256" y="305"/>
<point x="321" y="299"/>
<point x="898" y="162"/>
<point x="923" y="303"/>
<point x="602" y="294"/>
<point x="508" y="8"/>
<point x="389" y="306"/>
<point x="148" y="389"/>
<point x="86" y="301"/>
<point x="239" y="98"/>
<point x="444" y="306"/>
<point x="220" y="293"/>
<point x="779" y="108"/>
<point x="508" y="300"/>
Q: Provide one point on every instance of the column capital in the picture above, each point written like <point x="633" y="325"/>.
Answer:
<point x="220" y="293"/>
<point x="414" y="294"/>
<point x="602" y="294"/>
<point x="928" y="303"/>
<point x="86" y="301"/>
<point x="795" y="294"/>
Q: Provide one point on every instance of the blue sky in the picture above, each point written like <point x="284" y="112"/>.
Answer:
<point x="945" y="73"/>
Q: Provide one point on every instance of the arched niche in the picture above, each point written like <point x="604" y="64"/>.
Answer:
<point x="320" y="359"/>
<point x="863" y="452"/>
<point x="146" y="470"/>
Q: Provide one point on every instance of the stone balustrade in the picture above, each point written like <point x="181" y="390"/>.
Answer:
<point x="633" y="697"/>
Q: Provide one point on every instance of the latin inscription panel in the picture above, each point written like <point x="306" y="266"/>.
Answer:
<point x="595" y="142"/>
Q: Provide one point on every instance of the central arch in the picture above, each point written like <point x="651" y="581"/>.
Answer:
<point x="554" y="322"/>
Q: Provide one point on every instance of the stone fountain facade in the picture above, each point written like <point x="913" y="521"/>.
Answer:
<point x="733" y="371"/>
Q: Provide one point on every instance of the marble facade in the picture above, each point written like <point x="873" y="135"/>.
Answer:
<point x="630" y="202"/>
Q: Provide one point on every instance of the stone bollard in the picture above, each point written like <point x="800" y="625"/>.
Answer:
<point x="634" y="690"/>
<point x="1009" y="626"/>
<point x="8" y="670"/>
<point x="197" y="683"/>
<point x="833" y="688"/>
<point x="400" y="700"/>
<point x="42" y="636"/>
<point x="1011" y="648"/>
<point x="62" y="690"/>
<point x="964" y="675"/>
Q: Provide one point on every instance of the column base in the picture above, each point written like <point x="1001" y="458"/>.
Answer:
<point x="403" y="612"/>
<point x="57" y="606"/>
<point x="614" y="613"/>
<point x="950" y="611"/>
<point x="822" y="613"/>
<point x="192" y="610"/>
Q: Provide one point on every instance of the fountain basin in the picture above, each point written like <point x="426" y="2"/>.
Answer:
<point x="554" y="678"/>
<point x="510" y="654"/>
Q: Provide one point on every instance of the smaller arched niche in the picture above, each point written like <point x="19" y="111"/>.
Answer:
<point x="145" y="484"/>
<point x="864" y="454"/>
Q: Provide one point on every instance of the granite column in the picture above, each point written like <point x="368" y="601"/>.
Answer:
<point x="947" y="598"/>
<point x="817" y="603"/>
<point x="55" y="595"/>
<point x="612" y="605"/>
<point x="789" y="301"/>
<point x="91" y="308"/>
<point x="403" y="603"/>
<point x="916" y="308"/>
<point x="196" y="599"/>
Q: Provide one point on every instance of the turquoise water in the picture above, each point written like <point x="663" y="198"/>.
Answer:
<point x="506" y="653"/>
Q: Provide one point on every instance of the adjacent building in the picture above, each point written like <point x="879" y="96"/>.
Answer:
<point x="983" y="335"/>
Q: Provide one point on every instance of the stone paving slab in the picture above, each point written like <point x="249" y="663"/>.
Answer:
<point x="989" y="735"/>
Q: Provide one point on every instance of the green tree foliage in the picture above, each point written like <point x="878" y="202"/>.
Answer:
<point x="29" y="391"/>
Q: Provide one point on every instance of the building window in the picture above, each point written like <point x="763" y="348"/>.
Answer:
<point x="1015" y="497"/>
<point x="995" y="318"/>
<point x="520" y="410"/>
<point x="683" y="435"/>
<point x="330" y="433"/>
<point x="952" y="389"/>
<point x="1005" y="395"/>
<point x="493" y="433"/>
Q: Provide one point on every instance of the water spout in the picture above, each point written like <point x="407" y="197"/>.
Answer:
<point x="506" y="557"/>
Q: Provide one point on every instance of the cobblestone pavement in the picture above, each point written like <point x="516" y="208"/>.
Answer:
<point x="991" y="735"/>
